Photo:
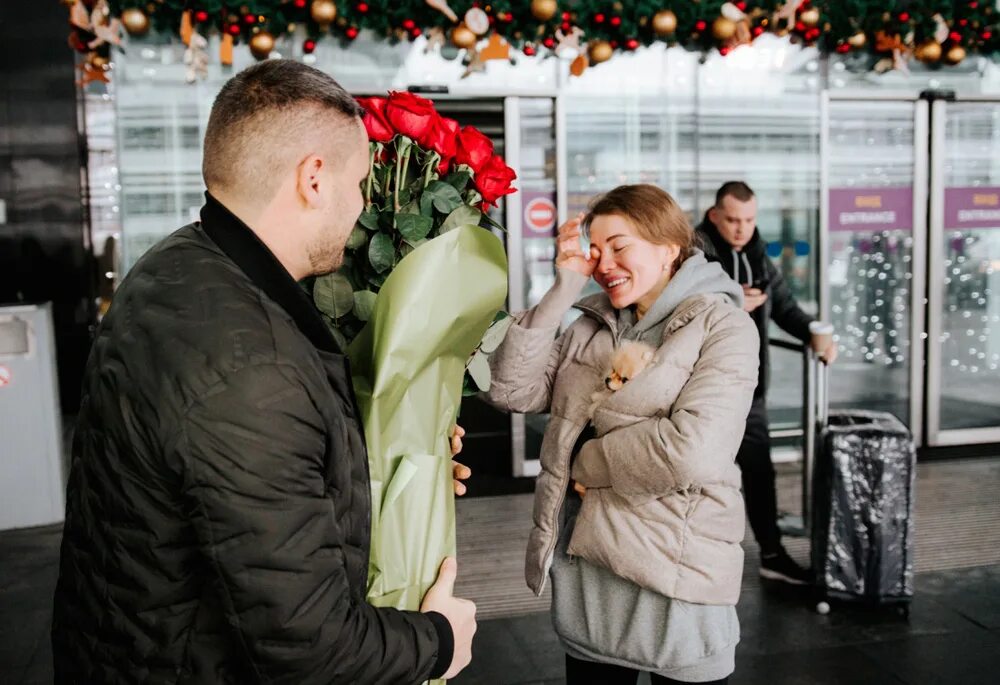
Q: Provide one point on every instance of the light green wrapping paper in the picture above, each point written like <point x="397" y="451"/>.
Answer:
<point x="408" y="365"/>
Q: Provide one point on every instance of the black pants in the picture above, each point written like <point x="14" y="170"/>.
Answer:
<point x="586" y="672"/>
<point x="754" y="459"/>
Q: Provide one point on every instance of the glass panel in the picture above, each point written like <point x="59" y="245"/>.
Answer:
<point x="871" y="245"/>
<point x="970" y="326"/>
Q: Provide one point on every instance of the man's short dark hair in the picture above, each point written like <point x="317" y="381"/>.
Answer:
<point x="738" y="190"/>
<point x="262" y="116"/>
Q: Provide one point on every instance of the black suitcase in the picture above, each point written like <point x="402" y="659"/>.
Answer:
<point x="862" y="517"/>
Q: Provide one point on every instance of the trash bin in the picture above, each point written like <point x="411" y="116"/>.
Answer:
<point x="32" y="486"/>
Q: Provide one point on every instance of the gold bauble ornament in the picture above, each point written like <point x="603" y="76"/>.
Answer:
<point x="928" y="52"/>
<point x="810" y="17"/>
<point x="955" y="54"/>
<point x="135" y="21"/>
<point x="543" y="10"/>
<point x="323" y="12"/>
<point x="858" y="40"/>
<point x="261" y="44"/>
<point x="600" y="51"/>
<point x="723" y="28"/>
<point x="664" y="22"/>
<point x="463" y="37"/>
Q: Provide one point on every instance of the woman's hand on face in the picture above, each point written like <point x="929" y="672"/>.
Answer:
<point x="569" y="254"/>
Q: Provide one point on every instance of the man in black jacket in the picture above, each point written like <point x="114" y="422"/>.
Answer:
<point x="729" y="235"/>
<point x="218" y="509"/>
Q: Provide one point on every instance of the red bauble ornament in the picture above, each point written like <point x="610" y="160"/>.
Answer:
<point x="614" y="45"/>
<point x="549" y="42"/>
<point x="616" y="21"/>
<point x="529" y="50"/>
<point x="249" y="19"/>
<point x="566" y="27"/>
<point x="724" y="51"/>
<point x="986" y="35"/>
<point x="741" y="6"/>
<point x="904" y="16"/>
<point x="565" y="16"/>
<point x="351" y="33"/>
<point x="201" y="16"/>
<point x="408" y="24"/>
<point x="757" y="30"/>
<point x="955" y="36"/>
<point x="309" y="46"/>
<point x="700" y="25"/>
<point x="599" y="18"/>
<point x="843" y="48"/>
<point x="415" y="33"/>
<point x="973" y="5"/>
<point x="963" y="22"/>
<point x="632" y="44"/>
<point x="300" y="3"/>
<point x="800" y="27"/>
<point x="363" y="7"/>
<point x="233" y="29"/>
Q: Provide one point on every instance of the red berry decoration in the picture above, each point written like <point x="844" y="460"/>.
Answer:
<point x="415" y="33"/>
<point x="843" y="48"/>
<point x="201" y="16"/>
<point x="741" y="6"/>
<point x="800" y="27"/>
<point x="614" y="45"/>
<point x="986" y="35"/>
<point x="973" y="5"/>
<point x="566" y="27"/>
<point x="351" y="33"/>
<point x="300" y="3"/>
<point x="529" y="50"/>
<point x="309" y="46"/>
<point x="363" y="7"/>
<point x="700" y="25"/>
<point x="904" y="16"/>
<point x="565" y="16"/>
<point x="724" y="50"/>
<point x="549" y="42"/>
<point x="616" y="21"/>
<point x="233" y="29"/>
<point x="249" y="19"/>
<point x="955" y="36"/>
<point x="632" y="44"/>
<point x="757" y="30"/>
<point x="599" y="18"/>
<point x="408" y="24"/>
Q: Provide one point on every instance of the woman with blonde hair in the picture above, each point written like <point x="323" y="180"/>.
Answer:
<point x="638" y="514"/>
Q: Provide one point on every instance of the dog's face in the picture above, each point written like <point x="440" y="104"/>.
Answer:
<point x="627" y="362"/>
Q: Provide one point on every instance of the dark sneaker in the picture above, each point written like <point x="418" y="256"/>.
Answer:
<point x="782" y="567"/>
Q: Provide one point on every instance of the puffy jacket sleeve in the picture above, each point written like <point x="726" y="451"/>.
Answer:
<point x="785" y="311"/>
<point x="699" y="438"/>
<point x="252" y="450"/>
<point x="524" y="366"/>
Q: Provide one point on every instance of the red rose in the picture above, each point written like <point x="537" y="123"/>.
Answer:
<point x="444" y="140"/>
<point x="474" y="148"/>
<point x="494" y="179"/>
<point x="413" y="116"/>
<point x="375" y="121"/>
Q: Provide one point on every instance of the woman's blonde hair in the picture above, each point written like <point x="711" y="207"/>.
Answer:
<point x="655" y="215"/>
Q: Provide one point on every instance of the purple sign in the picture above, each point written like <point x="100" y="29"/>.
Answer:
<point x="871" y="209"/>
<point x="971" y="208"/>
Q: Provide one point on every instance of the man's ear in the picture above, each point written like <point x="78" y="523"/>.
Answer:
<point x="308" y="180"/>
<point x="713" y="215"/>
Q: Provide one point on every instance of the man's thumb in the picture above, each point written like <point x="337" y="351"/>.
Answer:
<point x="446" y="576"/>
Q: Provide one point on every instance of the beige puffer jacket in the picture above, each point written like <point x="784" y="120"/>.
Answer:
<point x="663" y="506"/>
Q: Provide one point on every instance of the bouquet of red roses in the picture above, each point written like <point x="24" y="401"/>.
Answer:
<point x="427" y="176"/>
<point x="419" y="293"/>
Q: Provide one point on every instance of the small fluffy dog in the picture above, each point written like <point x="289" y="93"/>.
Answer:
<point x="627" y="361"/>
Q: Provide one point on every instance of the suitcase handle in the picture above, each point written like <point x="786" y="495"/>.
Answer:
<point x="815" y="418"/>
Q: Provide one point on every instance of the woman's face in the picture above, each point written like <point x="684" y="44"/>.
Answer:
<point x="629" y="269"/>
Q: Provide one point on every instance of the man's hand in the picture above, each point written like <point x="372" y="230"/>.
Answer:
<point x="461" y="614"/>
<point x="459" y="472"/>
<point x="753" y="298"/>
<point x="580" y="489"/>
<point x="829" y="355"/>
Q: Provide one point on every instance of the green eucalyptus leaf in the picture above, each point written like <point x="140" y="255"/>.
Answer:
<point x="381" y="252"/>
<point x="364" y="304"/>
<point x="479" y="369"/>
<point x="495" y="335"/>
<point x="463" y="215"/>
<point x="357" y="238"/>
<point x="413" y="226"/>
<point x="333" y="295"/>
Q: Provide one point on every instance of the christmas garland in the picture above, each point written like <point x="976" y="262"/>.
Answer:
<point x="889" y="31"/>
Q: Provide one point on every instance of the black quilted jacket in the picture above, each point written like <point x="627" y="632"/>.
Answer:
<point x="218" y="511"/>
